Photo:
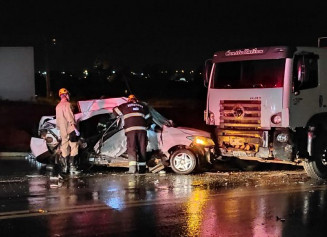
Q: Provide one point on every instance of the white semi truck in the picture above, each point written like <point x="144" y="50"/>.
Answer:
<point x="269" y="104"/>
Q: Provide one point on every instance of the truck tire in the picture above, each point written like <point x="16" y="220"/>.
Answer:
<point x="316" y="166"/>
<point x="183" y="161"/>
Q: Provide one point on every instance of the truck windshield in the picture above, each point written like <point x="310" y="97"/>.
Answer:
<point x="267" y="73"/>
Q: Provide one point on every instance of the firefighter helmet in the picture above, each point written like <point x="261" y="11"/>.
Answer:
<point x="63" y="91"/>
<point x="132" y="98"/>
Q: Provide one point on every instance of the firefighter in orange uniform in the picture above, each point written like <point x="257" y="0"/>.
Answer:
<point x="136" y="119"/>
<point x="66" y="124"/>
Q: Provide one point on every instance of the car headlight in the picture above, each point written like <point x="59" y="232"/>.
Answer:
<point x="204" y="141"/>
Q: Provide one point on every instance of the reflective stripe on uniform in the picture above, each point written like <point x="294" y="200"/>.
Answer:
<point x="135" y="128"/>
<point x="133" y="115"/>
<point x="132" y="163"/>
<point x="118" y="111"/>
<point x="141" y="164"/>
<point x="147" y="116"/>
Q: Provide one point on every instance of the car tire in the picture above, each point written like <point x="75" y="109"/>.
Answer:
<point x="316" y="166"/>
<point x="183" y="161"/>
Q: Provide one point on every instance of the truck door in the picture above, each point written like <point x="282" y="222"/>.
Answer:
<point x="305" y="98"/>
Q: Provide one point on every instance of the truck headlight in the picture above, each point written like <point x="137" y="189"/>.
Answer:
<point x="276" y="118"/>
<point x="203" y="141"/>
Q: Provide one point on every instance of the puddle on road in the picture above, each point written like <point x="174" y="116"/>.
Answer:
<point x="266" y="203"/>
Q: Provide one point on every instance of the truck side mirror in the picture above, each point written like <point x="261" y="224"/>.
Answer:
<point x="207" y="71"/>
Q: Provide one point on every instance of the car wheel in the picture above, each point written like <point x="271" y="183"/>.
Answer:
<point x="183" y="161"/>
<point x="316" y="167"/>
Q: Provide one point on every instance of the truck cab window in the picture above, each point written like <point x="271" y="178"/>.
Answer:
<point x="305" y="72"/>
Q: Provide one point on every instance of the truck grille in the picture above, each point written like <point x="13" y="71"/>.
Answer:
<point x="242" y="114"/>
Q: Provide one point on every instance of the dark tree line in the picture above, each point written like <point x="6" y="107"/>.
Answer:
<point x="153" y="83"/>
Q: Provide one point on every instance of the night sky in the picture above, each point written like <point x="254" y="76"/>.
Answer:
<point x="178" y="34"/>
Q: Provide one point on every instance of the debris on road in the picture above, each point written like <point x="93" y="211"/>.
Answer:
<point x="159" y="167"/>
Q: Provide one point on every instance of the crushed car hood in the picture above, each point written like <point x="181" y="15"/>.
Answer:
<point x="194" y="131"/>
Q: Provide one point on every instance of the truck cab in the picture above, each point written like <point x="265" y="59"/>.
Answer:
<point x="268" y="104"/>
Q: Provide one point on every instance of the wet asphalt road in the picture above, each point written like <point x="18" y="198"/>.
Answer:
<point x="112" y="203"/>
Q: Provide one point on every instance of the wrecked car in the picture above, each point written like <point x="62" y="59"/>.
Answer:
<point x="103" y="141"/>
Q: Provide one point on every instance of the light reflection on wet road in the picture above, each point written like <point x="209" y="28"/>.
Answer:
<point x="117" y="204"/>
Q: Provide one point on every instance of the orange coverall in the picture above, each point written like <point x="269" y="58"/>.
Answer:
<point x="65" y="122"/>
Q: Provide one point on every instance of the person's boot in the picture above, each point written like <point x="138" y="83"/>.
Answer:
<point x="56" y="180"/>
<point x="50" y="163"/>
<point x="72" y="167"/>
<point x="131" y="169"/>
<point x="63" y="164"/>
<point x="141" y="167"/>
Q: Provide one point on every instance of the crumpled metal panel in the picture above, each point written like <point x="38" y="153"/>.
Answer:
<point x="115" y="146"/>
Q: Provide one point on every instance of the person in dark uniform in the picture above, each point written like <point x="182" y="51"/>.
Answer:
<point x="136" y="119"/>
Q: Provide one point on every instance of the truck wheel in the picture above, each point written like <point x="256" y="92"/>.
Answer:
<point x="316" y="167"/>
<point x="183" y="161"/>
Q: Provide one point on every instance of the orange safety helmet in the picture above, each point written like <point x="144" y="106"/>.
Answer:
<point x="63" y="91"/>
<point x="132" y="98"/>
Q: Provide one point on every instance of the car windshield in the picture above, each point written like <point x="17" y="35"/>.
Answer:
<point x="159" y="119"/>
<point x="267" y="73"/>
